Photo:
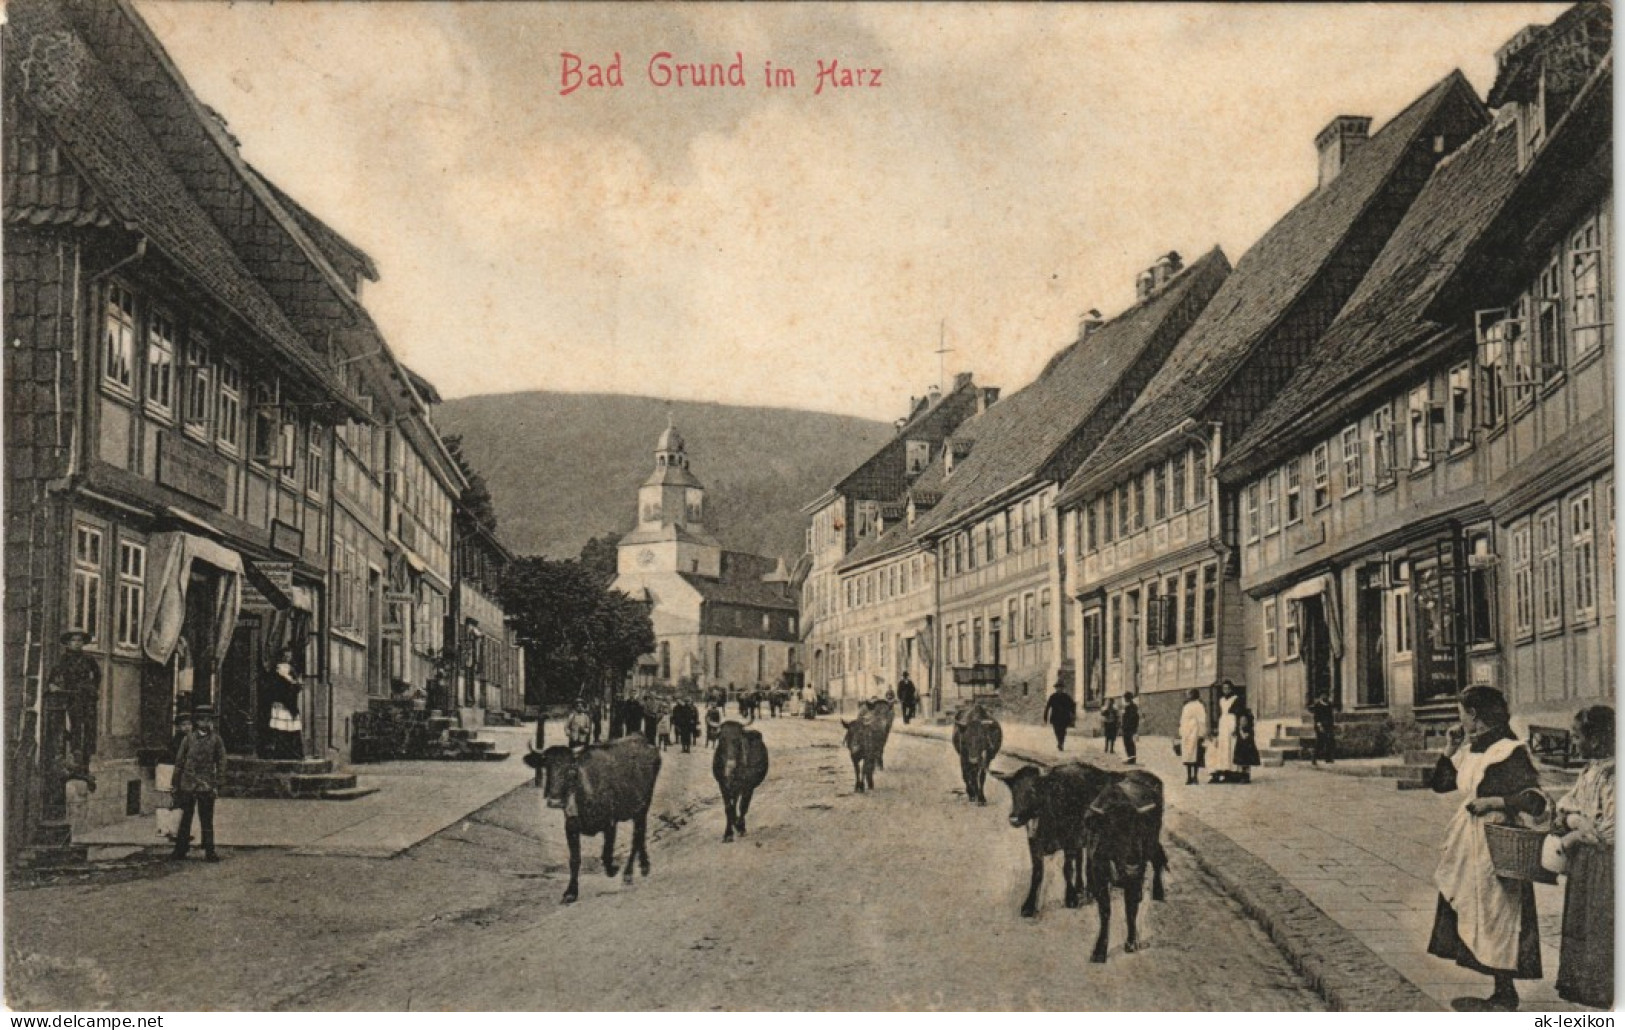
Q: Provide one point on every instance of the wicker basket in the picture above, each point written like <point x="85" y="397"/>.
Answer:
<point x="1515" y="852"/>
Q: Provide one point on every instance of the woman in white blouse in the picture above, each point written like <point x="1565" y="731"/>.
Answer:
<point x="1585" y="821"/>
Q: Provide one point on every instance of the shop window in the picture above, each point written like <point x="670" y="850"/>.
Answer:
<point x="1353" y="460"/>
<point x="1549" y="559"/>
<point x="1271" y="649"/>
<point x="1583" y="555"/>
<point x="131" y="602"/>
<point x="85" y="589"/>
<point x="118" y="341"/>
<point x="1294" y="492"/>
<point x="160" y="371"/>
<point x="1481" y="590"/>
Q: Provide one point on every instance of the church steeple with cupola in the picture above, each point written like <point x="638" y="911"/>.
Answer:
<point x="671" y="534"/>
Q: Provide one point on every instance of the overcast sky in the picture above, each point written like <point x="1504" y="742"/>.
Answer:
<point x="1014" y="167"/>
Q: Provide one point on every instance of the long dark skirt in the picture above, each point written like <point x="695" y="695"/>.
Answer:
<point x="1585" y="966"/>
<point x="1446" y="941"/>
<point x="282" y="744"/>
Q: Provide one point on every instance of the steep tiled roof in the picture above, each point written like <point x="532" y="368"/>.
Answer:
<point x="895" y="539"/>
<point x="345" y="256"/>
<point x="883" y="475"/>
<point x="69" y="90"/>
<point x="1383" y="323"/>
<point x="1266" y="284"/>
<point x="741" y="583"/>
<point x="1020" y="435"/>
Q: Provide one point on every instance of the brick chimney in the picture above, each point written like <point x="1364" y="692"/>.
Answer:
<point x="1338" y="141"/>
<point x="1144" y="286"/>
<point x="1089" y="322"/>
<point x="1165" y="269"/>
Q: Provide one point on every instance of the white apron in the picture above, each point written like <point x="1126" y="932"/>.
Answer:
<point x="1222" y="757"/>
<point x="1487" y="907"/>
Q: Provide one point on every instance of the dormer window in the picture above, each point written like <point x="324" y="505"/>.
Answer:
<point x="918" y="456"/>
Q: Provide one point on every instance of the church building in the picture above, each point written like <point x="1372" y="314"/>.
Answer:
<point x="721" y="618"/>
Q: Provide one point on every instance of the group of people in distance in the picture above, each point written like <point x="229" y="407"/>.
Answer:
<point x="1233" y="752"/>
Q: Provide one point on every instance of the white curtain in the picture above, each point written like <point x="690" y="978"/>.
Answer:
<point x="170" y="558"/>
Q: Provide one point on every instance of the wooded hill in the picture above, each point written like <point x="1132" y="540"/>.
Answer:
<point x="563" y="468"/>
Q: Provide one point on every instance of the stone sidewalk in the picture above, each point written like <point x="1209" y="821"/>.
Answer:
<point x="415" y="800"/>
<point x="1362" y="852"/>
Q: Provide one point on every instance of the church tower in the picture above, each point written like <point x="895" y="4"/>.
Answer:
<point x="671" y="534"/>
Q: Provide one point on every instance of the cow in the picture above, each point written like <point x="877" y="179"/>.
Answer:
<point x="1122" y="834"/>
<point x="882" y="713"/>
<point x="599" y="786"/>
<point x="740" y="766"/>
<point x="977" y="739"/>
<point x="865" y="740"/>
<point x="1050" y="805"/>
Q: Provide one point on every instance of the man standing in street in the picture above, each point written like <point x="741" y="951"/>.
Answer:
<point x="1060" y="712"/>
<point x="908" y="696"/>
<point x="578" y="728"/>
<point x="1131" y="726"/>
<point x="79" y="677"/>
<point x="200" y="768"/>
<point x="1325" y="717"/>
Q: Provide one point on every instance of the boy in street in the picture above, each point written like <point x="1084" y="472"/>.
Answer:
<point x="200" y="767"/>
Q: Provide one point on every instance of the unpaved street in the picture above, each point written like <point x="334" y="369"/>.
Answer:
<point x="904" y="898"/>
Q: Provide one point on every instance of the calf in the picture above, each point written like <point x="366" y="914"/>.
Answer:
<point x="1123" y="832"/>
<point x="598" y="787"/>
<point x="1051" y="805"/>
<point x="977" y="739"/>
<point x="740" y="766"/>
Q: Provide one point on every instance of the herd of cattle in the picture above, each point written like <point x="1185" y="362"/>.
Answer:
<point x="1106" y="824"/>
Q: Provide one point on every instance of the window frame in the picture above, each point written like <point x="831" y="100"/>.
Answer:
<point x="1251" y="512"/>
<point x="1292" y="489"/>
<point x="130" y="603"/>
<point x="86" y="590"/>
<point x="161" y="338"/>
<point x="120" y="341"/>
<point x="1269" y="639"/>
<point x="1353" y="443"/>
<point x="1582" y="555"/>
<point x="1550" y="597"/>
<point x="1272" y="503"/>
<point x="1320" y="477"/>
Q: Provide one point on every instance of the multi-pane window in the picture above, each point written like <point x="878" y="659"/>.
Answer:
<point x="118" y="339"/>
<point x="1138" y="486"/>
<point x="1043" y="519"/>
<point x="1272" y="503"/>
<point x="1549" y="342"/>
<point x="132" y="593"/>
<point x="1321" y="475"/>
<point x="1421" y="452"/>
<point x="968" y="544"/>
<point x="1461" y="406"/>
<point x="1108" y="523"/>
<point x="1190" y="607"/>
<point x="1294" y="630"/>
<point x="1153" y="615"/>
<point x="1044" y="606"/>
<point x="1586" y="285"/>
<point x="1481" y="590"/>
<point x="1523" y="582"/>
<point x="1012" y="618"/>
<point x="1199" y="478"/>
<point x="1496" y="333"/>
<point x="160" y="373"/>
<point x="1383" y="456"/>
<point x="265" y="439"/>
<point x="315" y="459"/>
<point x="1177" y="472"/>
<point x="1117" y="626"/>
<point x="1253" y="527"/>
<point x="1026" y="524"/>
<point x="1294" y="492"/>
<point x="1125" y="525"/>
<point x="1091" y="541"/>
<point x="1549" y="557"/>
<point x="989" y="542"/>
<point x="1583" y="555"/>
<point x="287" y="447"/>
<point x="199" y="403"/>
<point x="1353" y="460"/>
<point x="1029" y="616"/>
<point x="229" y="424"/>
<point x="1159" y="493"/>
<point x="1402" y="619"/>
<point x="1271" y="650"/>
<point x="1210" y="600"/>
<point x="85" y="590"/>
<point x="1009" y="531"/>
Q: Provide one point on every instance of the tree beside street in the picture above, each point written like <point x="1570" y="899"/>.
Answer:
<point x="579" y="636"/>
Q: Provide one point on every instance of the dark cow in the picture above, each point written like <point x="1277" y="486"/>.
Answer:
<point x="598" y="787"/>
<point x="882" y="713"/>
<point x="1051" y="805"/>
<point x="1123" y="833"/>
<point x="865" y="740"/>
<point x="977" y="740"/>
<point x="740" y="766"/>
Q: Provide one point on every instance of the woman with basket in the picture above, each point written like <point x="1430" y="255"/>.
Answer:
<point x="1483" y="922"/>
<point x="1585" y="825"/>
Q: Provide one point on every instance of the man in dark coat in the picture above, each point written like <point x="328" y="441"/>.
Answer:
<point x="200" y="769"/>
<point x="631" y="717"/>
<point x="1325" y="718"/>
<point x="1131" y="726"/>
<point x="908" y="696"/>
<point x="1060" y="712"/>
<point x="79" y="676"/>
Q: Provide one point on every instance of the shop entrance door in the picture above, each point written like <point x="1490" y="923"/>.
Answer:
<point x="1373" y="660"/>
<point x="1317" y="650"/>
<point x="239" y="698"/>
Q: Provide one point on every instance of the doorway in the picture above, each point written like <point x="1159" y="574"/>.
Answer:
<point x="1317" y="651"/>
<point x="1373" y="659"/>
<point x="239" y="695"/>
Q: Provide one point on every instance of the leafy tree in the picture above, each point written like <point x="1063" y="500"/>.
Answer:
<point x="599" y="556"/>
<point x="579" y="637"/>
<point x="477" y="498"/>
